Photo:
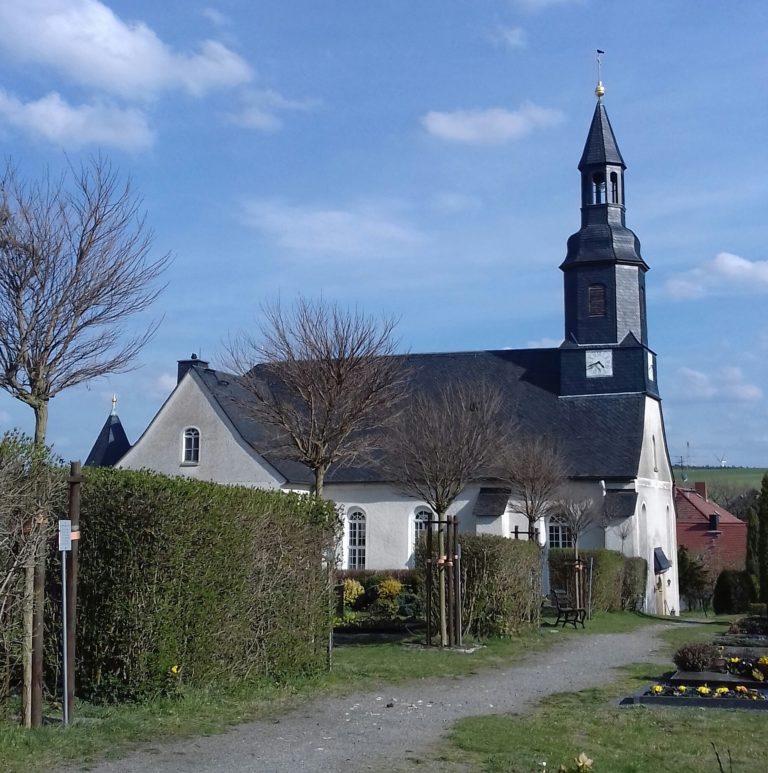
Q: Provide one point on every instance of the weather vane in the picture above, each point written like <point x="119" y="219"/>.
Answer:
<point x="599" y="89"/>
<point x="114" y="404"/>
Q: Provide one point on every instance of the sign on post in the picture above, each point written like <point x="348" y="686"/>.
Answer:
<point x="65" y="534"/>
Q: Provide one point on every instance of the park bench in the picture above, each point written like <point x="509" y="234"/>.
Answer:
<point x="565" y="611"/>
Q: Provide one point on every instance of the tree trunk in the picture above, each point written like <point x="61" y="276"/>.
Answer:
<point x="317" y="489"/>
<point x="26" y="651"/>
<point x="38" y="594"/>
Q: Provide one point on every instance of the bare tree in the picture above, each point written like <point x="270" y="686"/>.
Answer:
<point x="74" y="266"/>
<point x="441" y="442"/>
<point x="535" y="471"/>
<point x="324" y="378"/>
<point x="579" y="515"/>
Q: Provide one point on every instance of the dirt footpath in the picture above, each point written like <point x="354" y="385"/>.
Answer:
<point x="387" y="729"/>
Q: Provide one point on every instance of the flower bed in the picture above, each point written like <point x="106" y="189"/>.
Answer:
<point x="738" y="696"/>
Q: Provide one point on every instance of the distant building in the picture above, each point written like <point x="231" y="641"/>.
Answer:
<point x="704" y="526"/>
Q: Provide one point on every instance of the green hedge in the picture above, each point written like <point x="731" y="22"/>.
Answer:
<point x="633" y="584"/>
<point x="224" y="582"/>
<point x="501" y="582"/>
<point x="609" y="592"/>
<point x="734" y="592"/>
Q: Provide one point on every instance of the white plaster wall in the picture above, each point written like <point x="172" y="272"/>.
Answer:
<point x="223" y="457"/>
<point x="655" y="512"/>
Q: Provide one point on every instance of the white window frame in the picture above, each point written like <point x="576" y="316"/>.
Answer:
<point x="558" y="533"/>
<point x="356" y="538"/>
<point x="419" y="525"/>
<point x="190" y="452"/>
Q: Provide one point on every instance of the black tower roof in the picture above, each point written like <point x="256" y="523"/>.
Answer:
<point x="110" y="446"/>
<point x="601" y="146"/>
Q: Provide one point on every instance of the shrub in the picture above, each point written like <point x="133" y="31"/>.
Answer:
<point x="389" y="588"/>
<point x="750" y="626"/>
<point x="501" y="584"/>
<point x="224" y="581"/>
<point x="759" y="609"/>
<point x="633" y="583"/>
<point x="734" y="592"/>
<point x="352" y="590"/>
<point x="696" y="657"/>
<point x="607" y="576"/>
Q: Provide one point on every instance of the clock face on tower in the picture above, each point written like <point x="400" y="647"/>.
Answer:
<point x="599" y="363"/>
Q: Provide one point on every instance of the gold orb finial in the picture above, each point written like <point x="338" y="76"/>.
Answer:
<point x="599" y="89"/>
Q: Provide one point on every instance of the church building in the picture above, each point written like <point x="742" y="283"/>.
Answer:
<point x="596" y="396"/>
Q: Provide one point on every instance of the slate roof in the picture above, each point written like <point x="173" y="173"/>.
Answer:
<point x="600" y="435"/>
<point x="111" y="444"/>
<point x="601" y="146"/>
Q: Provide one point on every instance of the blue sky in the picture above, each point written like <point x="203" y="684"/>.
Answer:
<point x="419" y="160"/>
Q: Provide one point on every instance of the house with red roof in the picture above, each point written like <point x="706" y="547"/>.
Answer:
<point x="703" y="525"/>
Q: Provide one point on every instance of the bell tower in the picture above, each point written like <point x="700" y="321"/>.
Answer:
<point x="604" y="277"/>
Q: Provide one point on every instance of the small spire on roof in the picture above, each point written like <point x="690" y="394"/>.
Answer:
<point x="599" y="89"/>
<point x="114" y="405"/>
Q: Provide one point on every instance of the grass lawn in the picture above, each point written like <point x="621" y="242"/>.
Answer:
<point x="618" y="740"/>
<point x="109" y="731"/>
<point x="739" y="477"/>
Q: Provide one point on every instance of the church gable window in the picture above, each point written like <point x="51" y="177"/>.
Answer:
<point x="596" y="300"/>
<point x="614" y="188"/>
<point x="598" y="188"/>
<point x="191" y="446"/>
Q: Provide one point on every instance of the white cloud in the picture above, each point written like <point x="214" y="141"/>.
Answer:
<point x="724" y="272"/>
<point x="511" y="37"/>
<point x="86" y="41"/>
<point x="490" y="126"/>
<point x="451" y="202"/>
<point x="53" y="119"/>
<point x="544" y="343"/>
<point x="216" y="17"/>
<point x="360" y="231"/>
<point x="540" y="5"/>
<point x="260" y="109"/>
<point x="726" y="384"/>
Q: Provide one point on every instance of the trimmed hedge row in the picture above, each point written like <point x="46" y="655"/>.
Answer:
<point x="618" y="582"/>
<point x="220" y="582"/>
<point x="501" y="579"/>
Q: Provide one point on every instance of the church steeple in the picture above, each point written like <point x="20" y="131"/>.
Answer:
<point x="604" y="272"/>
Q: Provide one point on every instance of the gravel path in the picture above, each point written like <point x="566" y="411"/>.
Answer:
<point x="386" y="730"/>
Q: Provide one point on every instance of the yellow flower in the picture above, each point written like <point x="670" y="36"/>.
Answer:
<point x="734" y="660"/>
<point x="741" y="689"/>
<point x="721" y="690"/>
<point x="656" y="689"/>
<point x="681" y="688"/>
<point x="174" y="669"/>
<point x="583" y="763"/>
<point x="763" y="661"/>
<point x="703" y="690"/>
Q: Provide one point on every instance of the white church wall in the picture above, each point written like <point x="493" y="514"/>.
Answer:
<point x="656" y="514"/>
<point x="223" y="457"/>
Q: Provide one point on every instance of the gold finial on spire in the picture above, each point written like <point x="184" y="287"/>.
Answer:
<point x="114" y="404"/>
<point x="599" y="89"/>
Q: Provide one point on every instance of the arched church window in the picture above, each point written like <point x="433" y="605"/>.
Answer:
<point x="598" y="188"/>
<point x="560" y="536"/>
<point x="356" y="544"/>
<point x="614" y="188"/>
<point x="596" y="299"/>
<point x="191" y="446"/>
<point x="420" y="523"/>
<point x="655" y="456"/>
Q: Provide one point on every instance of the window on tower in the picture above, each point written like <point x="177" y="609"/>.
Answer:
<point x="614" y="188"/>
<point x="596" y="298"/>
<point x="598" y="188"/>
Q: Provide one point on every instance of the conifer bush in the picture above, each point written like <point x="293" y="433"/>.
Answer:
<point x="222" y="582"/>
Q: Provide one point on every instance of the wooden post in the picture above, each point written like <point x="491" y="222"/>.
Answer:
<point x="75" y="484"/>
<point x="448" y="569"/>
<point x="457" y="583"/>
<point x="428" y="589"/>
<point x="38" y="629"/>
